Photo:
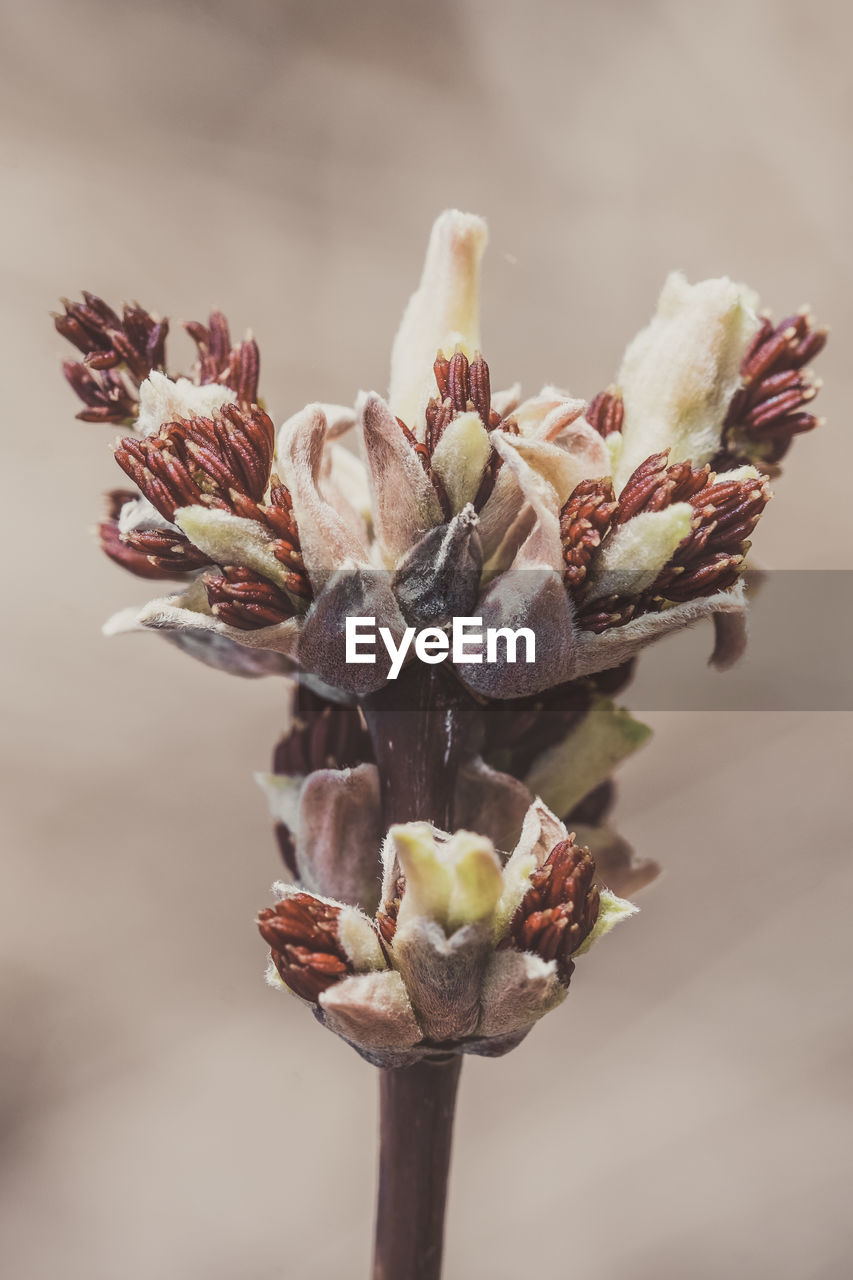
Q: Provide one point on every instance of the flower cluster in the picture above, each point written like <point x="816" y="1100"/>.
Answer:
<point x="600" y="527"/>
<point x="603" y="526"/>
<point x="466" y="951"/>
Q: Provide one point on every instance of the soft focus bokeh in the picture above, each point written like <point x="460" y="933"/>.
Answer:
<point x="164" y="1114"/>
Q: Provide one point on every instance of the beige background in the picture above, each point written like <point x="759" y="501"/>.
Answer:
<point x="687" y="1113"/>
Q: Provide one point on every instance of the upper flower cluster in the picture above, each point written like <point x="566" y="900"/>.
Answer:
<point x="599" y="526"/>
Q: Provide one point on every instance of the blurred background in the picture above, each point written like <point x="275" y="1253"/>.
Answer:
<point x="162" y="1113"/>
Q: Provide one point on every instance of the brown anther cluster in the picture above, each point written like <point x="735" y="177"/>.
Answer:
<point x="223" y="461"/>
<point x="119" y="353"/>
<point x="147" y="553"/>
<point x="241" y="598"/>
<point x="709" y="559"/>
<point x="654" y="486"/>
<point x="606" y="412"/>
<point x="464" y="387"/>
<point x="711" y="556"/>
<point x="324" y="735"/>
<point x="560" y="908"/>
<point x="584" y="520"/>
<point x="235" y="366"/>
<point x="302" y="934"/>
<point x="770" y="408"/>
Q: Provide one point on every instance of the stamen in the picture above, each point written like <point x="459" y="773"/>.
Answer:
<point x="302" y="934"/>
<point x="560" y="908"/>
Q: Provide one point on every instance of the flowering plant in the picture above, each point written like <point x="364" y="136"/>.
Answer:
<point x="446" y="833"/>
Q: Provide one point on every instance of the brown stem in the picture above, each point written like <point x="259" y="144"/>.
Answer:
<point x="420" y="728"/>
<point x="417" y="1106"/>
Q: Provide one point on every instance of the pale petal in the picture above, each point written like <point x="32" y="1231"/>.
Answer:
<point x="405" y="504"/>
<point x="207" y="646"/>
<point x="491" y="803"/>
<point x="454" y="882"/>
<point x="326" y="540"/>
<point x="360" y="941"/>
<point x="505" y="521"/>
<point x="371" y="1011"/>
<point x="443" y="312"/>
<point x="542" y="548"/>
<point x="579" y="454"/>
<point x="566" y="772"/>
<point x="518" y="989"/>
<point x="163" y="399"/>
<point x="632" y="558"/>
<point x="530" y="594"/>
<point x="183" y="615"/>
<point x="443" y="976"/>
<point x="504" y="402"/>
<point x="460" y="458"/>
<point x="345" y="487"/>
<point x="679" y="373"/>
<point x="334" y="815"/>
<point x="339" y="419"/>
<point x="531" y="414"/>
<point x="340" y="834"/>
<point x="230" y="539"/>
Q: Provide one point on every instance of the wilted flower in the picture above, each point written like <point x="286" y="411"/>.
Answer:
<point x="600" y="528"/>
<point x="468" y="948"/>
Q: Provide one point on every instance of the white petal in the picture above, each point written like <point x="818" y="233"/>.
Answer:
<point x="679" y="373"/>
<point x="405" y="504"/>
<point x="163" y="400"/>
<point x="372" y="1010"/>
<point x="454" y="882"/>
<point x="633" y="557"/>
<point x="172" y="614"/>
<point x="326" y="540"/>
<point x="460" y="458"/>
<point x="518" y="989"/>
<point x="230" y="539"/>
<point x="443" y="312"/>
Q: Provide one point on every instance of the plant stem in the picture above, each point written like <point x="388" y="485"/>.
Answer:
<point x="420" y="729"/>
<point x="417" y="1106"/>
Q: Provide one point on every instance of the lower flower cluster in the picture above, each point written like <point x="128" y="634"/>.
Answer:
<point x="468" y="948"/>
<point x="418" y="941"/>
